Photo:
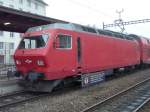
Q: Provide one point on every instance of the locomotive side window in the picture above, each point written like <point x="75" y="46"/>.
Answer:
<point x="63" y="41"/>
<point x="34" y="42"/>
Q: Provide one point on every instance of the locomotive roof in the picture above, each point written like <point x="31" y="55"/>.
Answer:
<point x="140" y="37"/>
<point x="81" y="28"/>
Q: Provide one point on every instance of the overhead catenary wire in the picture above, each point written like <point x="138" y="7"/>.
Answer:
<point x="91" y="8"/>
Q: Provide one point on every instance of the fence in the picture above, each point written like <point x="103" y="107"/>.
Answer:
<point x="6" y="71"/>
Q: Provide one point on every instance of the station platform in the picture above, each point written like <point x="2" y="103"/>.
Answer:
<point x="9" y="86"/>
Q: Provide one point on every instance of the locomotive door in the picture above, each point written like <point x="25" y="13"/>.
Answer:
<point x="79" y="54"/>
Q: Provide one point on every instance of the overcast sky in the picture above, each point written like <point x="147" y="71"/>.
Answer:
<point x="95" y="12"/>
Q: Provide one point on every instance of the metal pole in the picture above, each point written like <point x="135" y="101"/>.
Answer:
<point x="103" y="25"/>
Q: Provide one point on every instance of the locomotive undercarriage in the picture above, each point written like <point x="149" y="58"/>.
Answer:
<point x="39" y="86"/>
<point x="32" y="82"/>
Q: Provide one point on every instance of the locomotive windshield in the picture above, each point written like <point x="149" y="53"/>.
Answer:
<point x="33" y="42"/>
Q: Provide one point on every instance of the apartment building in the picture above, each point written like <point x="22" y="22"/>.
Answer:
<point x="9" y="40"/>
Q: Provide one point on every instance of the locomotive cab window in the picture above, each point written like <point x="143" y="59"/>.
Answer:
<point x="63" y="42"/>
<point x="34" y="42"/>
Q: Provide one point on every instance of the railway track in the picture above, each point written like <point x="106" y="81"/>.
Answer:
<point x="128" y="100"/>
<point x="18" y="97"/>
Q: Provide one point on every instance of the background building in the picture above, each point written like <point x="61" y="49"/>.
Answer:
<point x="9" y="40"/>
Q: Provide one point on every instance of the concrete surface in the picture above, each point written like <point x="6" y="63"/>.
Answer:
<point x="8" y="86"/>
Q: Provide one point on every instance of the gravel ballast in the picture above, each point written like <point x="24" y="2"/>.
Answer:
<point x="77" y="99"/>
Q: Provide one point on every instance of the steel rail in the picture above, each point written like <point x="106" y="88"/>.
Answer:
<point x="11" y="94"/>
<point x="20" y="100"/>
<point x="140" y="106"/>
<point x="92" y="108"/>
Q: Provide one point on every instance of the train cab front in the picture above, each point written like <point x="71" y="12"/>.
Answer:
<point x="30" y="58"/>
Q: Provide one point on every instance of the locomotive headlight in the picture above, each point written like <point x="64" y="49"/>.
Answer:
<point x="18" y="62"/>
<point x="40" y="62"/>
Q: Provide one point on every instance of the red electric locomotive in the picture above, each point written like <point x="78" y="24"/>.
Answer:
<point x="53" y="54"/>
